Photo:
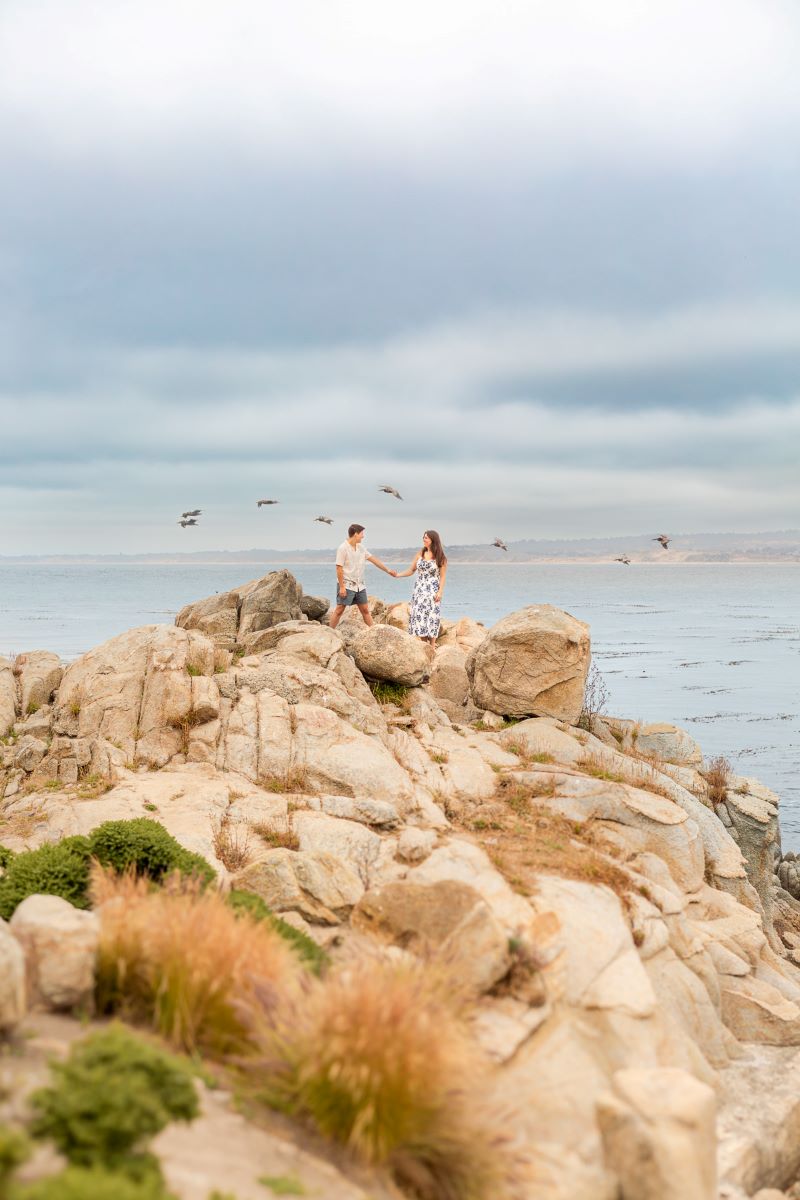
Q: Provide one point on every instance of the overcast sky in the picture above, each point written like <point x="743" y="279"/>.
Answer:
<point x="536" y="264"/>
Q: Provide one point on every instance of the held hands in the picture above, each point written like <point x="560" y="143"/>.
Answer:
<point x="393" y="574"/>
<point x="437" y="599"/>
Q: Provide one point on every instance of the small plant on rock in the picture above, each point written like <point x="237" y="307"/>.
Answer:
<point x="90" y="1183"/>
<point x="717" y="775"/>
<point x="232" y="842"/>
<point x="112" y="1094"/>
<point x="595" y="699"/>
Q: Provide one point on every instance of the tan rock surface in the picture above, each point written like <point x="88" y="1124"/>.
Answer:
<point x="8" y="696"/>
<point x="60" y="946"/>
<point x="12" y="980"/>
<point x="321" y="887"/>
<point x="446" y="917"/>
<point x="658" y="1129"/>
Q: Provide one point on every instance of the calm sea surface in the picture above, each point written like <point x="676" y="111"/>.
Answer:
<point x="713" y="648"/>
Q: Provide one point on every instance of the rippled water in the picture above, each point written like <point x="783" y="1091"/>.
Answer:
<point x="714" y="648"/>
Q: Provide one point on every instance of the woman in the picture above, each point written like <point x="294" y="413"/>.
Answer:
<point x="430" y="565"/>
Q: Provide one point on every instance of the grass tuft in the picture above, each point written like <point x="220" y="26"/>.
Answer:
<point x="278" y="839"/>
<point x="717" y="775"/>
<point x="407" y="1102"/>
<point x="386" y="692"/>
<point x="178" y="959"/>
<point x="295" y="780"/>
<point x="231" y="840"/>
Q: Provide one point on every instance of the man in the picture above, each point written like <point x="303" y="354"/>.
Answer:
<point x="351" y="558"/>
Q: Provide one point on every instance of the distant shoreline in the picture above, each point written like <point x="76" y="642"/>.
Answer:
<point x="316" y="562"/>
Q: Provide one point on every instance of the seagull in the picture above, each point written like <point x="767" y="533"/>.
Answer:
<point x="267" y="502"/>
<point x="500" y="544"/>
<point x="663" y="539"/>
<point x="623" y="559"/>
<point x="390" y="491"/>
<point x="193" y="512"/>
<point x="184" y="522"/>
<point x="324" y="520"/>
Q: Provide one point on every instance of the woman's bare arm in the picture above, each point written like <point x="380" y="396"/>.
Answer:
<point x="411" y="569"/>
<point x="442" y="577"/>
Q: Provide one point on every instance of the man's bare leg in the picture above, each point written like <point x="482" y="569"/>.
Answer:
<point x="366" y="614"/>
<point x="336" y="616"/>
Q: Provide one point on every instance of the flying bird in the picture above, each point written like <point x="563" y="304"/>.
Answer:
<point x="324" y="520"/>
<point x="623" y="558"/>
<point x="663" y="539"/>
<point x="184" y="522"/>
<point x="193" y="512"/>
<point x="500" y="544"/>
<point x="268" y="502"/>
<point x="390" y="491"/>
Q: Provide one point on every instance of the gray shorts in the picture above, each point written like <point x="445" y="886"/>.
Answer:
<point x="350" y="597"/>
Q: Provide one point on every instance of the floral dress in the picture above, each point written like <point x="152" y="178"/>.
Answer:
<point x="425" y="613"/>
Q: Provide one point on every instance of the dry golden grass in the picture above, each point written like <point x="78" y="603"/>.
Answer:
<point x="378" y="1059"/>
<point x="717" y="775"/>
<point x="231" y="841"/>
<point x="180" y="960"/>
<point x="644" y="772"/>
<point x="285" y="839"/>
<point x="525" y="839"/>
<point x="295" y="780"/>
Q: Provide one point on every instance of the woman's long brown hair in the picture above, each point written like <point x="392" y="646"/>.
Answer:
<point x="437" y="549"/>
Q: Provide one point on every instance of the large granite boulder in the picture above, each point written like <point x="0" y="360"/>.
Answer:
<point x="382" y="652"/>
<point x="532" y="663"/>
<point x="232" y="618"/>
<point x="60" y="945"/>
<point x="273" y="599"/>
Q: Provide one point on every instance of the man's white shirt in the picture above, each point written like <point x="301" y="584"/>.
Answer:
<point x="353" y="562"/>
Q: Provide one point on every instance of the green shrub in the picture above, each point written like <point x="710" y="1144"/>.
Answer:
<point x="147" y="847"/>
<point x="312" y="955"/>
<point x="112" y="1094"/>
<point x="6" y="856"/>
<point x="14" y="1149"/>
<point x="55" y="870"/>
<point x="78" y="1183"/>
<point x="63" y="869"/>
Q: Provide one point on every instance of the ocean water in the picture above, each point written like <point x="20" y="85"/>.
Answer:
<point x="714" y="648"/>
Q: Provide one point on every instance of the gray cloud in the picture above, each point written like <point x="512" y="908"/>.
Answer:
<point x="536" y="265"/>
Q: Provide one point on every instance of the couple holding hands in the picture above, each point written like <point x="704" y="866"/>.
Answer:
<point x="430" y="566"/>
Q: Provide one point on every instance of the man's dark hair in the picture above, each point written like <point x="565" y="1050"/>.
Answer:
<point x="355" y="529"/>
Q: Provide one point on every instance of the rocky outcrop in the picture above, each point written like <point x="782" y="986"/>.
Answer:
<point x="234" y="619"/>
<point x="533" y="662"/>
<point x="382" y="652"/>
<point x="619" y="926"/>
